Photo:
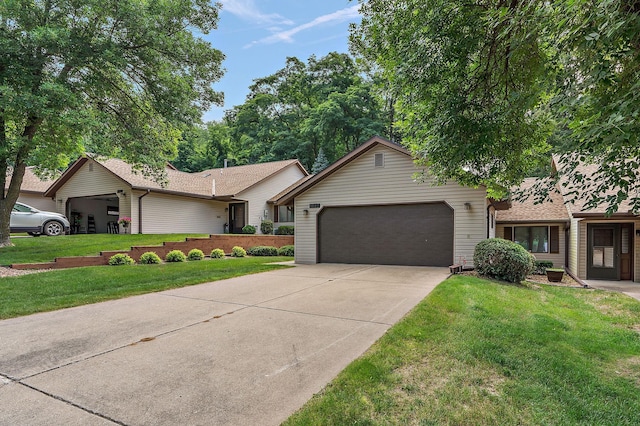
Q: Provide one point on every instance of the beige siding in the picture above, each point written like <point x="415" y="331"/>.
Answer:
<point x="556" y="258"/>
<point x="258" y="195"/>
<point x="360" y="183"/>
<point x="583" y="247"/>
<point x="165" y="214"/>
<point x="38" y="201"/>
<point x="573" y="245"/>
<point x="86" y="183"/>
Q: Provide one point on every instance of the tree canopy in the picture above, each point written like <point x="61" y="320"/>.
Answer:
<point x="123" y="77"/>
<point x="483" y="87"/>
<point x="323" y="104"/>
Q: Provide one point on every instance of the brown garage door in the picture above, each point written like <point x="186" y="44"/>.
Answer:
<point x="406" y="234"/>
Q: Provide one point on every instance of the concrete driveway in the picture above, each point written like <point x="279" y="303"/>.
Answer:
<point x="249" y="350"/>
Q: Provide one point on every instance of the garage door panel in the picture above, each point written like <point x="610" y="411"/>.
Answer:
<point x="408" y="234"/>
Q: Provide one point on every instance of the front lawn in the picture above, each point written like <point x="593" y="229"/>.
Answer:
<point x="48" y="291"/>
<point x="478" y="352"/>
<point x="45" y="249"/>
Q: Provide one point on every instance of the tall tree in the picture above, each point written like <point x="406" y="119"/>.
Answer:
<point x="482" y="84"/>
<point x="123" y="76"/>
<point x="302" y="108"/>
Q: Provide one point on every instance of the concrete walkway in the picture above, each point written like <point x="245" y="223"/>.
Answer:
<point x="630" y="288"/>
<point x="249" y="350"/>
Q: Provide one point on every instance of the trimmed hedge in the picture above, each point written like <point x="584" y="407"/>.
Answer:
<point x="285" y="230"/>
<point x="286" y="251"/>
<point x="262" y="251"/>
<point x="175" y="256"/>
<point x="502" y="259"/>
<point x="238" y="251"/>
<point x="121" y="259"/>
<point x="248" y="229"/>
<point x="266" y="227"/>
<point x="217" y="253"/>
<point x="150" y="258"/>
<point x="540" y="267"/>
<point x="195" y="254"/>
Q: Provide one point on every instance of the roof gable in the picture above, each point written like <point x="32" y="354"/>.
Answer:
<point x="305" y="184"/>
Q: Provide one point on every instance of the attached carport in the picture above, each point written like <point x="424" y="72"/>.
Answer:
<point x="398" y="234"/>
<point x="93" y="214"/>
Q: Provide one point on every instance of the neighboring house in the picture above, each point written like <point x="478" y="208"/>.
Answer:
<point x="369" y="208"/>
<point x="32" y="191"/>
<point x="590" y="244"/>
<point x="93" y="194"/>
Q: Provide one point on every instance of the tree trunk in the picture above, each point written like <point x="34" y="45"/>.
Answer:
<point x="8" y="200"/>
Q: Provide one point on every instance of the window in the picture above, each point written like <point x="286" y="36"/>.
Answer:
<point x="536" y="239"/>
<point x="285" y="214"/>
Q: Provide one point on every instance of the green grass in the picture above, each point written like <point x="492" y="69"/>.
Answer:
<point x="45" y="249"/>
<point x="477" y="352"/>
<point x="48" y="291"/>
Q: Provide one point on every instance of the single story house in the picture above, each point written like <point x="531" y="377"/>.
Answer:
<point x="32" y="191"/>
<point x="372" y="207"/>
<point x="590" y="244"/>
<point x="95" y="193"/>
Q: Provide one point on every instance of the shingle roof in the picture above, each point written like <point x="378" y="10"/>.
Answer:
<point x="231" y="181"/>
<point x="31" y="182"/>
<point x="553" y="209"/>
<point x="590" y="171"/>
<point x="214" y="183"/>
<point x="177" y="182"/>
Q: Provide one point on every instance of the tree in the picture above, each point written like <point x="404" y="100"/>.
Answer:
<point x="481" y="86"/>
<point x="121" y="76"/>
<point x="320" y="164"/>
<point x="302" y="108"/>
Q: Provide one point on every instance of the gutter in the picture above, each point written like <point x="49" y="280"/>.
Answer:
<point x="140" y="210"/>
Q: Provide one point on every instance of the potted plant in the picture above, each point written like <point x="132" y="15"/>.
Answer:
<point x="124" y="221"/>
<point x="555" y="275"/>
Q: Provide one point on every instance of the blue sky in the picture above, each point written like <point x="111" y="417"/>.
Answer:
<point x="257" y="36"/>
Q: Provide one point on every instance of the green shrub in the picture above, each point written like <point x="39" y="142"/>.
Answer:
<point x="286" y="251"/>
<point x="266" y="227"/>
<point x="262" y="251"/>
<point x="238" y="251"/>
<point x="195" y="254"/>
<point x="150" y="258"/>
<point x="248" y="229"/>
<point x="540" y="266"/>
<point x="217" y="254"/>
<point x="121" y="259"/>
<point x="284" y="230"/>
<point x="502" y="259"/>
<point x="175" y="256"/>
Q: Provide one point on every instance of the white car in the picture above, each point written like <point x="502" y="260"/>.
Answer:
<point x="28" y="219"/>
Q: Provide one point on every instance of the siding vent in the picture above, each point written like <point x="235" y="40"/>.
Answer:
<point x="378" y="160"/>
<point x="90" y="167"/>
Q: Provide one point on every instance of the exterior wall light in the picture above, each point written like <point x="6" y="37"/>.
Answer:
<point x="305" y="212"/>
<point x="467" y="206"/>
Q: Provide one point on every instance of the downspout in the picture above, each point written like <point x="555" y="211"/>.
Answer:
<point x="489" y="218"/>
<point x="140" y="210"/>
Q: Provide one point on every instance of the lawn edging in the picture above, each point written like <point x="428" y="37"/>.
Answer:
<point x="223" y="241"/>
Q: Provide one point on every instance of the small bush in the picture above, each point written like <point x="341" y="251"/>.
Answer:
<point x="502" y="259"/>
<point x="248" y="229"/>
<point x="150" y="258"/>
<point x="284" y="230"/>
<point x="266" y="227"/>
<point x="238" y="251"/>
<point x="262" y="251"/>
<point x="217" y="254"/>
<point x="540" y="266"/>
<point x="286" y="251"/>
<point x="121" y="259"/>
<point x="195" y="254"/>
<point x="175" y="256"/>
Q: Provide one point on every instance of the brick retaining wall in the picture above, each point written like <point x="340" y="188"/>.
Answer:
<point x="225" y="242"/>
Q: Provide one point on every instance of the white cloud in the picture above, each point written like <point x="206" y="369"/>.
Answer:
<point x="331" y="18"/>
<point x="247" y="10"/>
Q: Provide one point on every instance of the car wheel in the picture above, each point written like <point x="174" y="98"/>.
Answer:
<point x="53" y="228"/>
<point x="34" y="234"/>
